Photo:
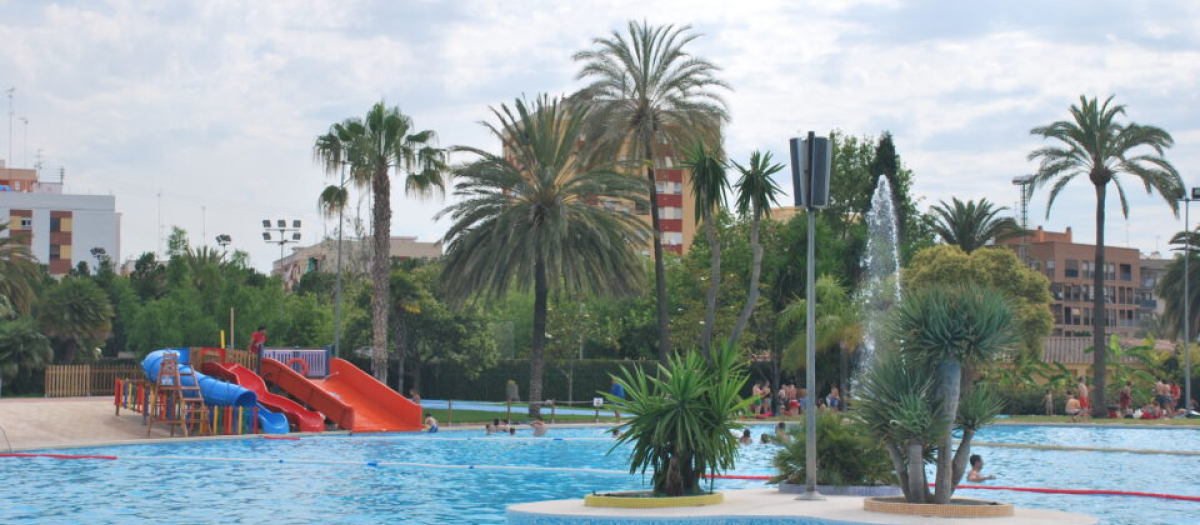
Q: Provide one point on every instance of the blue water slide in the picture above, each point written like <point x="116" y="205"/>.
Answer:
<point x="217" y="392"/>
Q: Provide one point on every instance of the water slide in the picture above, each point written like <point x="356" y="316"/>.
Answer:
<point x="305" y="420"/>
<point x="216" y="392"/>
<point x="348" y="396"/>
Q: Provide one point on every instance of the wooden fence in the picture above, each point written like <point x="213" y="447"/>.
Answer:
<point x="86" y="380"/>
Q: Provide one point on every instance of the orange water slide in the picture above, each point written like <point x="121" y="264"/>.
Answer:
<point x="348" y="396"/>
<point x="304" y="419"/>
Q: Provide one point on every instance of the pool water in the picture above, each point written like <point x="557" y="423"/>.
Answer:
<point x="411" y="478"/>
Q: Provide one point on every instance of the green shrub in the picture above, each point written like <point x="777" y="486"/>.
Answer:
<point x="846" y="454"/>
<point x="682" y="420"/>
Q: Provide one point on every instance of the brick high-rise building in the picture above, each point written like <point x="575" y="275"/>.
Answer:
<point x="1071" y="268"/>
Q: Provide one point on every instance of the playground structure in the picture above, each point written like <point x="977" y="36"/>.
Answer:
<point x="225" y="397"/>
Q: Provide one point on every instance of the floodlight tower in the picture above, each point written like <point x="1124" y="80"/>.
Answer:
<point x="1026" y="184"/>
<point x="282" y="234"/>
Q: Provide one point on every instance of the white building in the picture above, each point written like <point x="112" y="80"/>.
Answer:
<point x="62" y="230"/>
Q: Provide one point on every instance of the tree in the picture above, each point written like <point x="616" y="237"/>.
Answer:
<point x="911" y="398"/>
<point x="999" y="269"/>
<point x="18" y="270"/>
<point x="839" y="328"/>
<point x="23" y="349"/>
<point x="756" y="193"/>
<point x="76" y="313"/>
<point x="149" y="278"/>
<point x="652" y="98"/>
<point x="1098" y="147"/>
<point x="373" y="147"/>
<point x="527" y="218"/>
<point x="972" y="225"/>
<point x="709" y="183"/>
<point x="1170" y="289"/>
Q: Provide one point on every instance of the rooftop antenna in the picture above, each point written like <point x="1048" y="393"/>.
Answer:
<point x="10" y="92"/>
<point x="25" y="143"/>
<point x="1026" y="184"/>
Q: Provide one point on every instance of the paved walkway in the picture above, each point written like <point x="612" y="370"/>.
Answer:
<point x="32" y="423"/>
<point x="776" y="507"/>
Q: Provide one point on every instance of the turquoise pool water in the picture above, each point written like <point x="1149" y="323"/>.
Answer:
<point x="406" y="478"/>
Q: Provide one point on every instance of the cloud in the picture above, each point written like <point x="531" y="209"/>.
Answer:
<point x="216" y="103"/>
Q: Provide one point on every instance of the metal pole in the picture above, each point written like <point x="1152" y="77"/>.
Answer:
<point x="337" y="300"/>
<point x="1187" y="299"/>
<point x="810" y="367"/>
<point x="282" y="274"/>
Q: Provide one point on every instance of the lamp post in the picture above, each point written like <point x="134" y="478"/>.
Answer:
<point x="1187" y="314"/>
<point x="810" y="178"/>
<point x="286" y="235"/>
<point x="223" y="240"/>
<point x="337" y="300"/>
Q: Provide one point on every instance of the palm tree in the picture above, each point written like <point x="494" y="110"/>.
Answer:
<point x="839" y="328"/>
<point x="77" y="313"/>
<point x="970" y="225"/>
<point x="529" y="216"/>
<point x="652" y="98"/>
<point x="373" y="147"/>
<point x="1098" y="147"/>
<point x="1170" y="289"/>
<point x="23" y="349"/>
<point x="709" y="183"/>
<point x="756" y="192"/>
<point x="18" y="270"/>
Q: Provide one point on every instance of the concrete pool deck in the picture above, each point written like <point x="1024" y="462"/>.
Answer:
<point x="766" y="507"/>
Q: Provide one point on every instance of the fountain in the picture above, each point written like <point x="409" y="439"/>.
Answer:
<point x="880" y="287"/>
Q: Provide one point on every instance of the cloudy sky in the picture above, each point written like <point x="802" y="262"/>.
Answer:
<point x="214" y="105"/>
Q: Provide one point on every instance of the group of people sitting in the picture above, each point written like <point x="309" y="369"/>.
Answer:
<point x="791" y="400"/>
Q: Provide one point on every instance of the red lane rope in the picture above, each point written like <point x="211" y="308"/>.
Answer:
<point x="1040" y="490"/>
<point x="56" y="456"/>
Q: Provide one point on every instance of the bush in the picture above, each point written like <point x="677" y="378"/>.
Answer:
<point x="846" y="454"/>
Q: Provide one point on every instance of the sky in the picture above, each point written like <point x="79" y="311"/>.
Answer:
<point x="202" y="114"/>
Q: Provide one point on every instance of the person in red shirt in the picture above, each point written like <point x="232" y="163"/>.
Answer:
<point x="258" y="340"/>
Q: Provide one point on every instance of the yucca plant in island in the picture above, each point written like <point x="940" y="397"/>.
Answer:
<point x="683" y="419"/>
<point x="912" y="398"/>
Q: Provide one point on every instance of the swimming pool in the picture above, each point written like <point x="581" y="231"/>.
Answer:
<point x="393" y="478"/>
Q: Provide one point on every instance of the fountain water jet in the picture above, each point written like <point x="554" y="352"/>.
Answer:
<point x="880" y="287"/>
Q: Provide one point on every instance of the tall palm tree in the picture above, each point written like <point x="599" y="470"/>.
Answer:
<point x="383" y="142"/>
<point x="709" y="183"/>
<point x="529" y="216"/>
<point x="652" y="98"/>
<point x="970" y="225"/>
<point x="1098" y="147"/>
<point x="1170" y="289"/>
<point x="76" y="312"/>
<point x="756" y="192"/>
<point x="18" y="270"/>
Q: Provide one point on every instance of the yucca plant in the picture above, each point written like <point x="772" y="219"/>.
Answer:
<point x="913" y="398"/>
<point x="846" y="454"/>
<point x="682" y="420"/>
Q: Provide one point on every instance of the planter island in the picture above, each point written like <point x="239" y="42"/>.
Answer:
<point x="761" y="507"/>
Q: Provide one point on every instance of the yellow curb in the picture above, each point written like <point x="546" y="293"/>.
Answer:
<point x="630" y="500"/>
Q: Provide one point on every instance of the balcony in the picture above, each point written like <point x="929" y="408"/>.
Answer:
<point x="1147" y="303"/>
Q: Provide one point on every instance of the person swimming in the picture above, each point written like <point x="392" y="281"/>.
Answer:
<point x="746" y="437"/>
<point x="976" y="467"/>
<point x="431" y="423"/>
<point x="539" y="427"/>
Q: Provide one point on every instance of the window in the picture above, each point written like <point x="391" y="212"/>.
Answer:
<point x="670" y="212"/>
<point x="1087" y="270"/>
<point x="672" y="238"/>
<point x="1072" y="269"/>
<point x="26" y="223"/>
<point x="55" y="224"/>
<point x="1126" y="272"/>
<point x="55" y="252"/>
<point x="1110" y="272"/>
<point x="1050" y="268"/>
<point x="1087" y="316"/>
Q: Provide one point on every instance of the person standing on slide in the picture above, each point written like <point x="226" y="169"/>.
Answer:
<point x="258" y="340"/>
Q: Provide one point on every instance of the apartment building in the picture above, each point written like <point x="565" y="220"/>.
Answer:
<point x="60" y="229"/>
<point x="1071" y="267"/>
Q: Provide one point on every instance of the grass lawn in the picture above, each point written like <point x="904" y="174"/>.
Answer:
<point x="1035" y="420"/>
<point x="480" y="417"/>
